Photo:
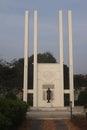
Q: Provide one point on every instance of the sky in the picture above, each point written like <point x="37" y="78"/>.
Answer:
<point x="12" y="29"/>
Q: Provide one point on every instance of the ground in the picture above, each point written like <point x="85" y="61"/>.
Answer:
<point x="70" y="126"/>
<point x="65" y="124"/>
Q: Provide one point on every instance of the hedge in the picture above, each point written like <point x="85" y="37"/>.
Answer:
<point x="82" y="99"/>
<point x="12" y="113"/>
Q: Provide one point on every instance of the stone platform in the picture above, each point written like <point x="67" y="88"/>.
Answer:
<point x="53" y="113"/>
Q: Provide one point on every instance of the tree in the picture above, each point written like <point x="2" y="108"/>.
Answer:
<point x="11" y="74"/>
<point x="6" y="74"/>
<point x="80" y="81"/>
<point x="18" y="67"/>
<point x="82" y="99"/>
<point x="46" y="58"/>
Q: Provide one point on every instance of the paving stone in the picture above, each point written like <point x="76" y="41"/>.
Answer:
<point x="60" y="125"/>
<point x="37" y="125"/>
<point x="48" y="125"/>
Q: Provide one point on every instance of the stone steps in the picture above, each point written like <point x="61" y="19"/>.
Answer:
<point x="48" y="108"/>
<point x="53" y="113"/>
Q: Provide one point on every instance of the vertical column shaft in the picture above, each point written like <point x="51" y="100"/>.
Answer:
<point x="25" y="58"/>
<point x="35" y="60"/>
<point x="61" y="37"/>
<point x="61" y="54"/>
<point x="70" y="57"/>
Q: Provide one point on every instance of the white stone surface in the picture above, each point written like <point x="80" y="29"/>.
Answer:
<point x="61" y="55"/>
<point x="50" y="74"/>
<point x="35" y="99"/>
<point x="25" y="58"/>
<point x="70" y="57"/>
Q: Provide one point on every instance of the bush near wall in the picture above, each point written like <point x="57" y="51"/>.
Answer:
<point x="82" y="99"/>
<point x="12" y="113"/>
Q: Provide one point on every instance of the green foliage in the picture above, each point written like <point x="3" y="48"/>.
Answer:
<point x="82" y="99"/>
<point x="7" y="75"/>
<point x="11" y="74"/>
<point x="18" y="67"/>
<point x="46" y="58"/>
<point x="5" y="123"/>
<point x="80" y="81"/>
<point x="10" y="95"/>
<point x="12" y="113"/>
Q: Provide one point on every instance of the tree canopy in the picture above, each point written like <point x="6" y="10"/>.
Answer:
<point x="11" y="74"/>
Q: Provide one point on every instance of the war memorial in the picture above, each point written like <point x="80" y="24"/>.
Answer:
<point x="48" y="83"/>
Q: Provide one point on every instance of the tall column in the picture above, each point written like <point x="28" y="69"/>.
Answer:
<point x="25" y="59"/>
<point x="35" y="61"/>
<point x="70" y="57"/>
<point x="61" y="55"/>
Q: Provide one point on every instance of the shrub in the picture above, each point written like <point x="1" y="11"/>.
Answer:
<point x="82" y="99"/>
<point x="12" y="112"/>
<point x="10" y="95"/>
<point x="5" y="123"/>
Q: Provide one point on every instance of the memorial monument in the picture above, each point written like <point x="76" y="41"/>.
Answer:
<point x="48" y="90"/>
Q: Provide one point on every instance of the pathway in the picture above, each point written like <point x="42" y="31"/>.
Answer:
<point x="43" y="125"/>
<point x="47" y="120"/>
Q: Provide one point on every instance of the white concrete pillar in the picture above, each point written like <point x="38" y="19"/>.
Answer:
<point x="70" y="57"/>
<point x="35" y="61"/>
<point x="25" y="59"/>
<point x="61" y="55"/>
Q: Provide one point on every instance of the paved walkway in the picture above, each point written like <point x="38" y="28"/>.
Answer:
<point x="48" y="125"/>
<point x="47" y="120"/>
<point x="36" y="125"/>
